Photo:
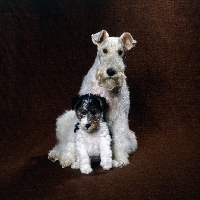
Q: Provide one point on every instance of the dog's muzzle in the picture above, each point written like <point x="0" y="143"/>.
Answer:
<point x="110" y="78"/>
<point x="110" y="72"/>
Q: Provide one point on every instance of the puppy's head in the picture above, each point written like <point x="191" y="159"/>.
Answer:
<point x="89" y="109"/>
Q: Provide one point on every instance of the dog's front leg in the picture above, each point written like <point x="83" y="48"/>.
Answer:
<point x="119" y="131"/>
<point x="105" y="151"/>
<point x="84" y="159"/>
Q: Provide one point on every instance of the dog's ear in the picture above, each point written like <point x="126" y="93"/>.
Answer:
<point x="102" y="102"/>
<point x="128" y="40"/>
<point x="99" y="37"/>
<point x="75" y="102"/>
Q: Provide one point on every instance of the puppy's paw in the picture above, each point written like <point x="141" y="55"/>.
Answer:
<point x="86" y="169"/>
<point x="106" y="164"/>
<point x="75" y="165"/>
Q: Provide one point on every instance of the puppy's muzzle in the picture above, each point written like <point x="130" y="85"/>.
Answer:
<point x="87" y="126"/>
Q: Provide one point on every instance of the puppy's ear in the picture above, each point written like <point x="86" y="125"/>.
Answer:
<point x="103" y="102"/>
<point x="99" y="37"/>
<point x="75" y="102"/>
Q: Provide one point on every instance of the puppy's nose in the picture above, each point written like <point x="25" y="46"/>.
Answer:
<point x="111" y="72"/>
<point x="87" y="126"/>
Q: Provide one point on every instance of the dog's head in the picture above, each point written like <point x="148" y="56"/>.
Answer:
<point x="89" y="109"/>
<point x="111" y="51"/>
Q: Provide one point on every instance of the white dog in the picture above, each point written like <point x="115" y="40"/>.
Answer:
<point x="92" y="139"/>
<point x="107" y="79"/>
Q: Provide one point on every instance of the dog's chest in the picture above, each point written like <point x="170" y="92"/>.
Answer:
<point x="113" y="99"/>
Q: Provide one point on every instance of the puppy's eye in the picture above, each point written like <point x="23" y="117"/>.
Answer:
<point x="105" y="51"/>
<point x="120" y="52"/>
<point x="83" y="112"/>
<point x="93" y="112"/>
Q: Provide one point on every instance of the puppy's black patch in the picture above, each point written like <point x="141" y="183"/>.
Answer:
<point x="89" y="103"/>
<point x="76" y="128"/>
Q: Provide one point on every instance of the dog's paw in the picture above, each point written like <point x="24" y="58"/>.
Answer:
<point x="115" y="163"/>
<point x="75" y="165"/>
<point x="122" y="162"/>
<point x="53" y="156"/>
<point x="86" y="169"/>
<point x="106" y="164"/>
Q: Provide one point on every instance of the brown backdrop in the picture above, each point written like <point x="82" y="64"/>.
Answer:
<point x="46" y="49"/>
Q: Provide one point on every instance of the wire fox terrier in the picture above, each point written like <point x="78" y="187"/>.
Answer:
<point x="106" y="78"/>
<point x="92" y="139"/>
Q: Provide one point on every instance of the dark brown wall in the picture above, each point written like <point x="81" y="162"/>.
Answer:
<point x="46" y="49"/>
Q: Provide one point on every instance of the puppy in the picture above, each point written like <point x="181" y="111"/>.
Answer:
<point x="92" y="139"/>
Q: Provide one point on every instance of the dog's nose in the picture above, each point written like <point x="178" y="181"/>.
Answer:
<point x="87" y="126"/>
<point x="111" y="72"/>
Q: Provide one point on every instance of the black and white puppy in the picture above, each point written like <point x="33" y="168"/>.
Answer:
<point x="92" y="137"/>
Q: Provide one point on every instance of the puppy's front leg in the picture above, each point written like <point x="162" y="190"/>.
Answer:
<point x="85" y="166"/>
<point x="105" y="150"/>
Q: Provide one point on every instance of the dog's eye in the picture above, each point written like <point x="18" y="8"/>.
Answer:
<point x="120" y="52"/>
<point x="105" y="51"/>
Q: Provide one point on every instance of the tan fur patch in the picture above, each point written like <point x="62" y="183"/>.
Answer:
<point x="110" y="82"/>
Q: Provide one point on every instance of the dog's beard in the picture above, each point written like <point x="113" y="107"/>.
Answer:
<point x="110" y="82"/>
